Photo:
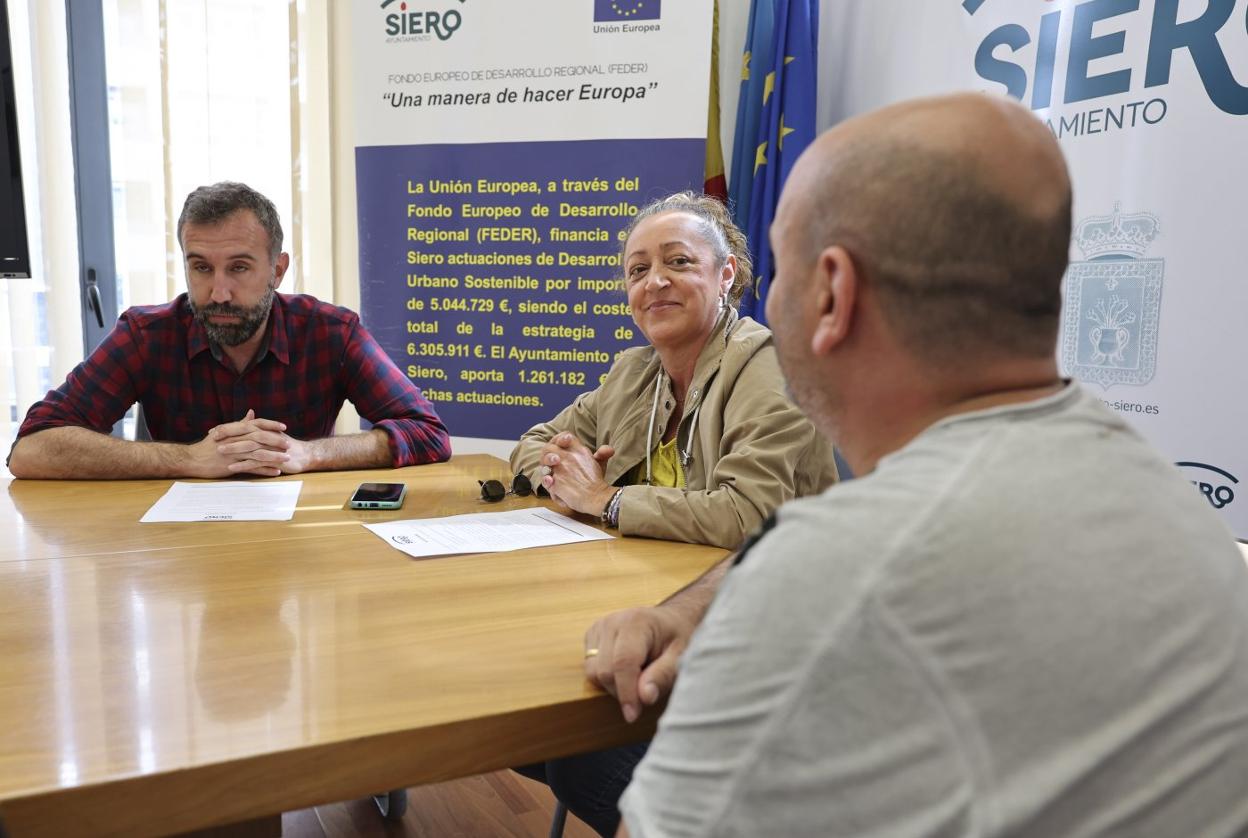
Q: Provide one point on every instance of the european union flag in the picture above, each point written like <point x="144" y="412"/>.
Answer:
<point x="779" y="113"/>
<point x="626" y="9"/>
<point x="755" y="63"/>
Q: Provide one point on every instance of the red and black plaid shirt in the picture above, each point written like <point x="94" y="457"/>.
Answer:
<point x="315" y="356"/>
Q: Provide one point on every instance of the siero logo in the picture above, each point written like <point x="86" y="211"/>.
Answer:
<point x="1214" y="483"/>
<point x="1200" y="37"/>
<point x="1113" y="301"/>
<point x="405" y="25"/>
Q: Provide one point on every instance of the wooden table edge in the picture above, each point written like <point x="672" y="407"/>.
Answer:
<point x="200" y="797"/>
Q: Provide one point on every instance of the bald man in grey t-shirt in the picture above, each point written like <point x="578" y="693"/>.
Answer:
<point x="1019" y="620"/>
<point x="1028" y="624"/>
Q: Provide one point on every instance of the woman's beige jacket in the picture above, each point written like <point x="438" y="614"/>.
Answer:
<point x="752" y="449"/>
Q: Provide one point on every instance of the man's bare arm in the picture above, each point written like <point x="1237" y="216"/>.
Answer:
<point x="71" y="453"/>
<point x="367" y="449"/>
<point x="76" y="453"/>
<point x="695" y="598"/>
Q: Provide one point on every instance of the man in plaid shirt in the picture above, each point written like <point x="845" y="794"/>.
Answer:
<point x="233" y="377"/>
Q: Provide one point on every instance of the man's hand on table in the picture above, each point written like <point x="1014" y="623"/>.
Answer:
<point x="637" y="653"/>
<point x="633" y="654"/>
<point x="251" y="445"/>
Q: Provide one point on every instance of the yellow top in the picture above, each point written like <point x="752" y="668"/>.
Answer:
<point x="664" y="465"/>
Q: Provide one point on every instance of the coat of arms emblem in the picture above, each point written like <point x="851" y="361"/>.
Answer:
<point x="1113" y="301"/>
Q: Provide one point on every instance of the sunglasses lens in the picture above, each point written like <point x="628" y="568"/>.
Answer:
<point x="492" y="491"/>
<point x="521" y="486"/>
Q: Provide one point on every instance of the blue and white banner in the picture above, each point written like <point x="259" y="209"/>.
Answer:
<point x="1149" y="100"/>
<point x="501" y="147"/>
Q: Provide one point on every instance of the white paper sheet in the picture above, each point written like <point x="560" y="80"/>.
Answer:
<point x="226" y="502"/>
<point x="484" y="532"/>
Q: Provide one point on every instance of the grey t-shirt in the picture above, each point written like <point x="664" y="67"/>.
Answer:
<point x="1024" y="623"/>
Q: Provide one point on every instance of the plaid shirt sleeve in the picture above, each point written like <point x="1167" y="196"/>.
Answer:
<point x="383" y="395"/>
<point x="98" y="392"/>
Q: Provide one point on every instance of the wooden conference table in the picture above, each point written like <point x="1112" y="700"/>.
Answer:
<point x="161" y="678"/>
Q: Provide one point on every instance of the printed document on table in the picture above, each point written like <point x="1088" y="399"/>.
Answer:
<point x="226" y="502"/>
<point x="484" y="532"/>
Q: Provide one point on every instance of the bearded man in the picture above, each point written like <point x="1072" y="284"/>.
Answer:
<point x="233" y="377"/>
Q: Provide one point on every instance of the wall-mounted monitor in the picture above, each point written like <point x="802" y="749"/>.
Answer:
<point x="14" y="247"/>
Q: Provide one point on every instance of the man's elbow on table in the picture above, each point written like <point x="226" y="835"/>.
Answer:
<point x="441" y="447"/>
<point x="26" y="460"/>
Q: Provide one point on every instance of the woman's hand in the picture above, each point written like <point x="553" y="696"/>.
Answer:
<point x="573" y="474"/>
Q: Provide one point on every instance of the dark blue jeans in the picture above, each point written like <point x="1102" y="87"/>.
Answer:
<point x="590" y="785"/>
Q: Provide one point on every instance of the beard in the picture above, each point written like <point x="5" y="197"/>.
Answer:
<point x="250" y="319"/>
<point x="807" y="388"/>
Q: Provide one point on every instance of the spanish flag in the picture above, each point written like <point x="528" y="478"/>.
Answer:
<point x="716" y="182"/>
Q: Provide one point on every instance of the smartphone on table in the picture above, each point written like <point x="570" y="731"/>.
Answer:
<point x="379" y="496"/>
